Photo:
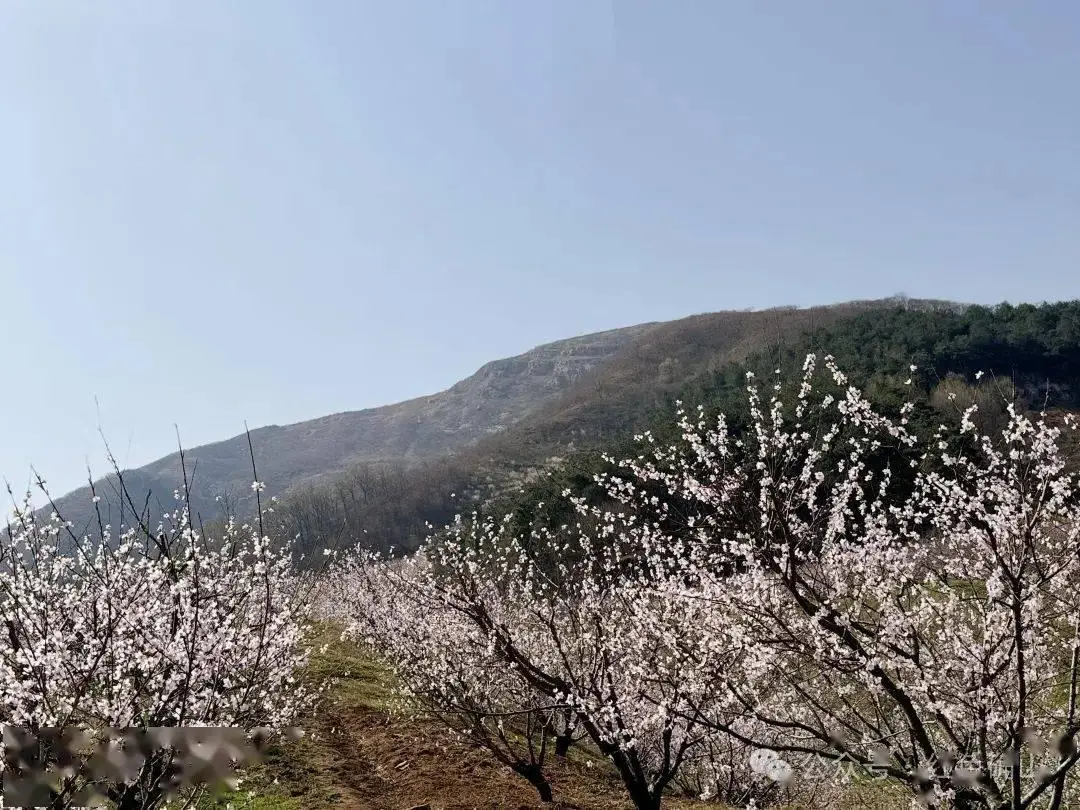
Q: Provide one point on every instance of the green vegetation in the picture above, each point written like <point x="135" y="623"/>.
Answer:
<point x="1027" y="353"/>
<point x="305" y="773"/>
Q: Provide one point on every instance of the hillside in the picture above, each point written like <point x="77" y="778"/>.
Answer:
<point x="704" y="360"/>
<point x="391" y="507"/>
<point x="488" y="431"/>
<point x="624" y="393"/>
<point x="498" y="395"/>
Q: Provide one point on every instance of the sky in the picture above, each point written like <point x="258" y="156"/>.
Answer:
<point x="217" y="212"/>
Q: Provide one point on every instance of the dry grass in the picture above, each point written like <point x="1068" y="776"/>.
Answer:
<point x="359" y="754"/>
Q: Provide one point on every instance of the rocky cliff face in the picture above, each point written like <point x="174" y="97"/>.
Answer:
<point x="498" y="395"/>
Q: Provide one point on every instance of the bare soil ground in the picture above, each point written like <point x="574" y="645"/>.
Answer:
<point x="359" y="753"/>
<point x="396" y="763"/>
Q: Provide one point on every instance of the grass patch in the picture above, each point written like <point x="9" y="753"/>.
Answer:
<point x="298" y="774"/>
<point x="358" y="753"/>
<point x="360" y="681"/>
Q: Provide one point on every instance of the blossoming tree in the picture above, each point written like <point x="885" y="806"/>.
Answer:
<point x="445" y="666"/>
<point x="513" y="639"/>
<point x="832" y="583"/>
<point x="927" y="631"/>
<point x="145" y="629"/>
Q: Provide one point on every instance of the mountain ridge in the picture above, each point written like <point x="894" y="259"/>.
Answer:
<point x="514" y="411"/>
<point x="498" y="394"/>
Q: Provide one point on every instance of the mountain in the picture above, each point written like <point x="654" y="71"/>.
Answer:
<point x="1028" y="350"/>
<point x="483" y="435"/>
<point x="498" y="395"/>
<point x="387" y="507"/>
<point x="623" y="393"/>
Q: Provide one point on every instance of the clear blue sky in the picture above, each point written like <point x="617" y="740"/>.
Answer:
<point x="217" y="211"/>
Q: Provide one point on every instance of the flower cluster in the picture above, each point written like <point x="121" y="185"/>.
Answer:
<point x="147" y="629"/>
<point x="525" y="647"/>
<point x="829" y="582"/>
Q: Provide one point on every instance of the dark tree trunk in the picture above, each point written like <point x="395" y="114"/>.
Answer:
<point x="631" y="772"/>
<point x="147" y="791"/>
<point x="644" y="799"/>
<point x="562" y="744"/>
<point x="970" y="800"/>
<point x="532" y="772"/>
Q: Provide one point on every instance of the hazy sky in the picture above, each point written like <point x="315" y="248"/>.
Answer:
<point x="215" y="211"/>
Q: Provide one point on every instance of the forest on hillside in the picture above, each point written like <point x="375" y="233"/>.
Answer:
<point x="1027" y="353"/>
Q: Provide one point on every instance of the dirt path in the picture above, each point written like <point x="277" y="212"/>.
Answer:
<point x="393" y="763"/>
<point x="359" y="754"/>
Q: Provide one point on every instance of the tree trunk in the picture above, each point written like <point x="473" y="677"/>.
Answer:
<point x="970" y="800"/>
<point x="644" y="799"/>
<point x="562" y="744"/>
<point x="532" y="772"/>
<point x="632" y="774"/>
<point x="147" y="791"/>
